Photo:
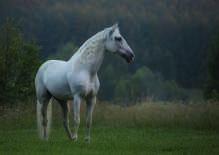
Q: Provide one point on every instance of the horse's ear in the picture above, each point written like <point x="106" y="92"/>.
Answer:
<point x="115" y="26"/>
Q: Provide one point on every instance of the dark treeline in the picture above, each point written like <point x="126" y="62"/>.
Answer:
<point x="171" y="39"/>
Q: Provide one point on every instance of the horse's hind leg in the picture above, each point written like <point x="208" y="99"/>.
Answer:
<point x="45" y="115"/>
<point x="65" y="110"/>
<point x="45" y="120"/>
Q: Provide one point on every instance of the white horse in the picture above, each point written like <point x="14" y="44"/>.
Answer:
<point x="76" y="79"/>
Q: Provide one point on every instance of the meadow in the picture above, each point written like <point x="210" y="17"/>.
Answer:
<point x="146" y="128"/>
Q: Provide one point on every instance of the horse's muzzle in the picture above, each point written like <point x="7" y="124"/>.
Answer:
<point x="127" y="55"/>
<point x="131" y="57"/>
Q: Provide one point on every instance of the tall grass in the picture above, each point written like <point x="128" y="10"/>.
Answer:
<point x="147" y="114"/>
<point x="160" y="114"/>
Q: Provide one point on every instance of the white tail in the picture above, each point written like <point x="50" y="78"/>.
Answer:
<point x="40" y="118"/>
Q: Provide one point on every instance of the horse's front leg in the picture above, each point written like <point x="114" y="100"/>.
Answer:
<point x="91" y="101"/>
<point x="76" y="113"/>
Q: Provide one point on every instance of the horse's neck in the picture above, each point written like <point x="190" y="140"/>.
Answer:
<point x="90" y="55"/>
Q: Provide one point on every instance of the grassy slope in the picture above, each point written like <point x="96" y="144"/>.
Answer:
<point x="18" y="136"/>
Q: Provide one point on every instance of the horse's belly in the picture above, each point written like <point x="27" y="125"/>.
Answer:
<point x="62" y="95"/>
<point x="59" y="88"/>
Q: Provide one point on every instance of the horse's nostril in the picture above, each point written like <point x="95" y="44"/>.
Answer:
<point x="132" y="55"/>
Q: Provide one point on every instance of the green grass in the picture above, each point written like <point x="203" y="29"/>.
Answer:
<point x="116" y="131"/>
<point x="108" y="140"/>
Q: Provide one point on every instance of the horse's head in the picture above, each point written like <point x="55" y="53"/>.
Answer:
<point x="115" y="43"/>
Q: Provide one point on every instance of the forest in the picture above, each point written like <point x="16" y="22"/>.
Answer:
<point x="176" y="45"/>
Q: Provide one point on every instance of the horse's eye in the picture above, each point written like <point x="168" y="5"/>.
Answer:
<point x="118" y="38"/>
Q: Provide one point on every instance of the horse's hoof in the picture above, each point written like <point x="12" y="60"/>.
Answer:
<point x="45" y="138"/>
<point x="87" y="139"/>
<point x="74" y="138"/>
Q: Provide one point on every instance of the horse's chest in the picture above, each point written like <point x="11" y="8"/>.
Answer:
<point x="83" y="83"/>
<point x="87" y="88"/>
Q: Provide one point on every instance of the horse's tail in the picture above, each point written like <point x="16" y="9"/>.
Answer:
<point x="40" y="119"/>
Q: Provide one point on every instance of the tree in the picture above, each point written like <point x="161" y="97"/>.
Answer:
<point x="122" y="92"/>
<point x="212" y="87"/>
<point x="140" y="82"/>
<point x="18" y="63"/>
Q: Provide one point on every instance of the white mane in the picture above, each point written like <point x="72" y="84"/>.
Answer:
<point x="92" y="51"/>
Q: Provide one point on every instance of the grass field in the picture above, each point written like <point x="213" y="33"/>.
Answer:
<point x="118" y="130"/>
